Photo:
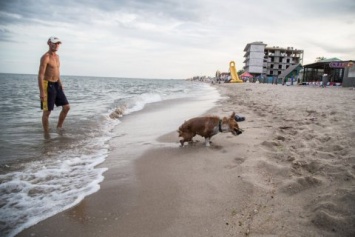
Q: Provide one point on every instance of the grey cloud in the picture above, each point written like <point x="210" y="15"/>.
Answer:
<point x="333" y="48"/>
<point x="71" y="11"/>
<point x="320" y="8"/>
<point x="4" y="35"/>
<point x="18" y="11"/>
<point x="44" y="12"/>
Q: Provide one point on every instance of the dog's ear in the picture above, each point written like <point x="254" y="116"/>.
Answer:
<point x="233" y="115"/>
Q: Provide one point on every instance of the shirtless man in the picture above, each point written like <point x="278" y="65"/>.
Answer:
<point x="50" y="85"/>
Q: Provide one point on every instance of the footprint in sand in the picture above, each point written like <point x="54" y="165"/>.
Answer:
<point x="272" y="146"/>
<point x="239" y="160"/>
<point x="334" y="212"/>
<point x="300" y="184"/>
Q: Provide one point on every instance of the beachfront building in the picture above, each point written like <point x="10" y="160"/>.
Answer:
<point x="254" y="58"/>
<point x="270" y="62"/>
<point x="336" y="71"/>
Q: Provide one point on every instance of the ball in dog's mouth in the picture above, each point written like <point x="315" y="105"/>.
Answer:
<point x="238" y="131"/>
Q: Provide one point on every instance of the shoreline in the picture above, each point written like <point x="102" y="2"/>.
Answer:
<point x="291" y="173"/>
<point x="120" y="177"/>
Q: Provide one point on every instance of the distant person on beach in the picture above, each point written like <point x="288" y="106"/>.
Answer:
<point x="324" y="80"/>
<point x="218" y="76"/>
<point x="50" y="86"/>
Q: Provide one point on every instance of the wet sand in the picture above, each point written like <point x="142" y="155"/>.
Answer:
<point x="291" y="173"/>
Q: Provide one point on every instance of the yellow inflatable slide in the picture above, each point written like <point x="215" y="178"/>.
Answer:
<point x="234" y="74"/>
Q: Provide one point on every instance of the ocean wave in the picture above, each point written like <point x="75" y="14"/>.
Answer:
<point x="44" y="189"/>
<point x="118" y="112"/>
<point x="133" y="104"/>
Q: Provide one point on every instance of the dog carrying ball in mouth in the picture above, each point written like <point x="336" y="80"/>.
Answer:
<point x="207" y="127"/>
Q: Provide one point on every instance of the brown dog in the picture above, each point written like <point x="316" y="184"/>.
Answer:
<point x="207" y="127"/>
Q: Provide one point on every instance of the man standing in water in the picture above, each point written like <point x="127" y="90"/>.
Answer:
<point x="50" y="85"/>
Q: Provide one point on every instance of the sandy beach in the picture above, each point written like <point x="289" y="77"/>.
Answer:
<point x="291" y="173"/>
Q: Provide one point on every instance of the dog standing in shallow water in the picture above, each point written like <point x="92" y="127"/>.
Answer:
<point x="207" y="127"/>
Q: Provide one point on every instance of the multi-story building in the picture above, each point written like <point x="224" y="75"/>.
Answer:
<point x="254" y="58"/>
<point x="270" y="61"/>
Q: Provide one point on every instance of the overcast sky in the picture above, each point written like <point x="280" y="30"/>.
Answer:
<point x="168" y="38"/>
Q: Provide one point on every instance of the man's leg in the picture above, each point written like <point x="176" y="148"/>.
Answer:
<point x="63" y="115"/>
<point x="45" y="123"/>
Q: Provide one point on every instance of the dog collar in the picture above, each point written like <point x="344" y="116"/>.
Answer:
<point x="220" y="125"/>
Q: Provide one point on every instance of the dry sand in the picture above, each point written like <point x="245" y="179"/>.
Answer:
<point x="291" y="173"/>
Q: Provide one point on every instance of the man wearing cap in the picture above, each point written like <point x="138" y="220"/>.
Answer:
<point x="50" y="86"/>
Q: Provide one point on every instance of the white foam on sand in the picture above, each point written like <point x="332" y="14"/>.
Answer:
<point x="40" y="191"/>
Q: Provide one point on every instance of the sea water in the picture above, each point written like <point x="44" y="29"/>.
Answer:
<point x="43" y="174"/>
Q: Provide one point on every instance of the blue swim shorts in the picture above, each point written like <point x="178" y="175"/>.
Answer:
<point x="54" y="94"/>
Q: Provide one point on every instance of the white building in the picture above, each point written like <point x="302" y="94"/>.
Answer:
<point x="270" y="61"/>
<point x="254" y="58"/>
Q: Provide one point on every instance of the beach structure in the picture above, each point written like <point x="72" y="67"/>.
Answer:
<point x="290" y="74"/>
<point x="270" y="62"/>
<point x="246" y="76"/>
<point x="338" y="72"/>
<point x="234" y="74"/>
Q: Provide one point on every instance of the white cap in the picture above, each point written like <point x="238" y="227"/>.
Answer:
<point x="54" y="40"/>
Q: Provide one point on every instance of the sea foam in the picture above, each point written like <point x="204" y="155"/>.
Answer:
<point x="42" y="190"/>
